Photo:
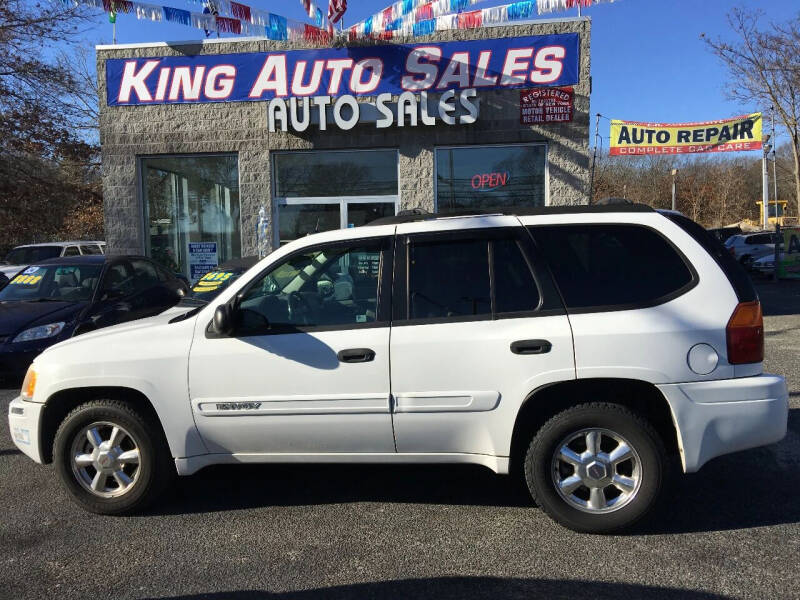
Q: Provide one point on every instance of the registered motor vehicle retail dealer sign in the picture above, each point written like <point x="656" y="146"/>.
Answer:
<point x="546" y="105"/>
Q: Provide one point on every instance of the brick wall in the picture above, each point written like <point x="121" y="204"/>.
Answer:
<point x="128" y="132"/>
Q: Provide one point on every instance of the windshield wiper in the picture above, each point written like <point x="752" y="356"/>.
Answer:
<point x="187" y="315"/>
<point x="46" y="299"/>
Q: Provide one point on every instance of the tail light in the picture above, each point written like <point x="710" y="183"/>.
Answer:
<point x="745" y="334"/>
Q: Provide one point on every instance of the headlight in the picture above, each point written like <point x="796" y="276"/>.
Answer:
<point x="39" y="333"/>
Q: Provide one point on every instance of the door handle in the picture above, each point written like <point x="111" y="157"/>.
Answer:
<point x="356" y="355"/>
<point x="531" y="347"/>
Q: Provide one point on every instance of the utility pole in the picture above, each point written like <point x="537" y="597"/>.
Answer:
<point x="594" y="158"/>
<point x="765" y="184"/>
<point x="775" y="164"/>
<point x="674" y="189"/>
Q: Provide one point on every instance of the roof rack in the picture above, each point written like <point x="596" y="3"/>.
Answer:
<point x="417" y="214"/>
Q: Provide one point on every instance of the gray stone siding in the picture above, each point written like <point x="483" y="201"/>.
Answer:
<point x="130" y="132"/>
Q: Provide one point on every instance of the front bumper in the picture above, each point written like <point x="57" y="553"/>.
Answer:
<point x="719" y="417"/>
<point x="23" y="422"/>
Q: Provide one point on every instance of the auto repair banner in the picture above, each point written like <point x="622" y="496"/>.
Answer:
<point x="738" y="134"/>
<point x="519" y="62"/>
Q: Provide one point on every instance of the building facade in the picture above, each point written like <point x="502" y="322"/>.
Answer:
<point x="205" y="144"/>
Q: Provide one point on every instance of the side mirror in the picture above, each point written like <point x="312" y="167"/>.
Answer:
<point x="223" y="319"/>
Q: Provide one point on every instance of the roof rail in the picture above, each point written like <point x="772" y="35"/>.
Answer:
<point x="414" y="215"/>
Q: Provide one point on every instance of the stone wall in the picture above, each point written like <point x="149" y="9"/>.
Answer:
<point x="129" y="132"/>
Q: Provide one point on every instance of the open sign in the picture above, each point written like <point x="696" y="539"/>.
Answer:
<point x="489" y="181"/>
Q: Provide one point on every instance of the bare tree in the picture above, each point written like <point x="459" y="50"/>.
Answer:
<point x="765" y="68"/>
<point x="49" y="180"/>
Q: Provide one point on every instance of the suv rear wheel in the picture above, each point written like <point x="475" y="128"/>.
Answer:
<point x="111" y="459"/>
<point x="596" y="468"/>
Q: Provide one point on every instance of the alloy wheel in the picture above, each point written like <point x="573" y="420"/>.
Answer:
<point x="596" y="470"/>
<point x="105" y="459"/>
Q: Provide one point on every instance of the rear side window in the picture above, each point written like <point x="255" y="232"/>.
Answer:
<point x="612" y="266"/>
<point x="71" y="251"/>
<point x="761" y="238"/>
<point x="449" y="279"/>
<point x="735" y="273"/>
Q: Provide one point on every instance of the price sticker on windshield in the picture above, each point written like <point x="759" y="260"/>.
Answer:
<point x="26" y="280"/>
<point x="30" y="270"/>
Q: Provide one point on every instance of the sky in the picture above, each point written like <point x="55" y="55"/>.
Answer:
<point x="648" y="61"/>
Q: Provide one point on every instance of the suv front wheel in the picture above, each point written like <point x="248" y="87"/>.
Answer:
<point x="596" y="468"/>
<point x="111" y="458"/>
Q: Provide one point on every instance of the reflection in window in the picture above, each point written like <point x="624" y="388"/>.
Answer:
<point x="299" y="220"/>
<point x="324" y="286"/>
<point x="191" y="199"/>
<point x="333" y="174"/>
<point x="490" y="177"/>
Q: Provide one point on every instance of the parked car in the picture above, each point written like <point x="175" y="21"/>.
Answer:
<point x="60" y="298"/>
<point x="723" y="233"/>
<point x="766" y="264"/>
<point x="210" y="285"/>
<point x="22" y="256"/>
<point x="751" y="246"/>
<point x="586" y="348"/>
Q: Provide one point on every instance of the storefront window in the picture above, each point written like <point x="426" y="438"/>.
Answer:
<point x="338" y="173"/>
<point x="192" y="215"/>
<point x="490" y="177"/>
<point x="320" y="191"/>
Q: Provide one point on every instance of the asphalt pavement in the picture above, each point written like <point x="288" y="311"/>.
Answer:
<point x="302" y="532"/>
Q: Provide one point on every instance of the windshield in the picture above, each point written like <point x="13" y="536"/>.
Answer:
<point x="60" y="283"/>
<point x="212" y="283"/>
<point x="32" y="254"/>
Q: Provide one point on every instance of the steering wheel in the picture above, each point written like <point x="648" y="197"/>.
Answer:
<point x="299" y="308"/>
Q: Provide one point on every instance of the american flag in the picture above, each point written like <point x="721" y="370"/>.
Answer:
<point x="336" y="9"/>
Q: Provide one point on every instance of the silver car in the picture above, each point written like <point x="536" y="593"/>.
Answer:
<point x="749" y="247"/>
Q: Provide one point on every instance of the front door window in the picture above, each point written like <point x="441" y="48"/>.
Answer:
<point x="327" y="286"/>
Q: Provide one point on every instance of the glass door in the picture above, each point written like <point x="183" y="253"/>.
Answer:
<point x="299" y="217"/>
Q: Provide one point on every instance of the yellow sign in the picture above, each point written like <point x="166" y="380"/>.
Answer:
<point x="26" y="280"/>
<point x="739" y="134"/>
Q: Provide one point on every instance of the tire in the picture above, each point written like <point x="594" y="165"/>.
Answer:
<point x="572" y="503"/>
<point x="141" y="480"/>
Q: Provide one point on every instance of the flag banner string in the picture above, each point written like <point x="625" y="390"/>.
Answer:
<point x="405" y="18"/>
<point x="421" y="17"/>
<point x="260" y="23"/>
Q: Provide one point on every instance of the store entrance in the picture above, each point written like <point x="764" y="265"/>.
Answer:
<point x="320" y="190"/>
<point x="299" y="217"/>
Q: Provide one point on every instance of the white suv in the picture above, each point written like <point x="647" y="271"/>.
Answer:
<point x="24" y="256"/>
<point x="584" y="348"/>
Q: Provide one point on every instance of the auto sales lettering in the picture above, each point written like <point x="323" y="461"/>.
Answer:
<point x="326" y="82"/>
<point x="729" y="135"/>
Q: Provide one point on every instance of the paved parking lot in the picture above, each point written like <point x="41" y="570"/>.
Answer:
<point x="732" y="530"/>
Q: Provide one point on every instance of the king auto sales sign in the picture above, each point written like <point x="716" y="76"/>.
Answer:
<point x="546" y="105"/>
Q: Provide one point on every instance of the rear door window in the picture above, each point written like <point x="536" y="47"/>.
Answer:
<point x="614" y="266"/>
<point x="448" y="279"/>
<point x="514" y="286"/>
